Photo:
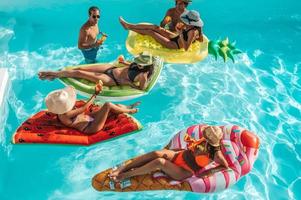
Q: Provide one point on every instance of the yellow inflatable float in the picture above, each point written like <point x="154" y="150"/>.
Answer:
<point x="137" y="43"/>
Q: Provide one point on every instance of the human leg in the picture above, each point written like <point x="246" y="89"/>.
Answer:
<point x="100" y="68"/>
<point x="91" y="76"/>
<point x="101" y="116"/>
<point x="144" y="159"/>
<point x="173" y="171"/>
<point x="129" y="106"/>
<point x="151" y="27"/>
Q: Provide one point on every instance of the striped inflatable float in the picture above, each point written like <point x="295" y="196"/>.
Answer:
<point x="240" y="148"/>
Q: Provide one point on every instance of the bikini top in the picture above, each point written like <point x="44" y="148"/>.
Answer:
<point x="78" y="119"/>
<point x="185" y="34"/>
<point x="197" y="162"/>
<point x="136" y="69"/>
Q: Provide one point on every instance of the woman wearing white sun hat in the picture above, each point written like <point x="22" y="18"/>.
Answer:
<point x="62" y="102"/>
<point x="187" y="32"/>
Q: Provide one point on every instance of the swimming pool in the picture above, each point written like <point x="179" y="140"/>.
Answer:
<point x="261" y="92"/>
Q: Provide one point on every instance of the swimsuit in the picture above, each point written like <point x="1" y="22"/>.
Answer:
<point x="76" y="119"/>
<point x="133" y="71"/>
<point x="109" y="73"/>
<point x="90" y="54"/>
<point x="188" y="161"/>
<point x="185" y="37"/>
<point x="87" y="118"/>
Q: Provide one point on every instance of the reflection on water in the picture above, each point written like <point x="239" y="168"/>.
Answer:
<point x="261" y="92"/>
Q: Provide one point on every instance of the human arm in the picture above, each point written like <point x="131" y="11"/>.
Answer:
<point x="169" y="145"/>
<point x="82" y="109"/>
<point x="192" y="35"/>
<point x="134" y="86"/>
<point x="83" y="40"/>
<point x="166" y="19"/>
<point x="101" y="40"/>
<point x="209" y="172"/>
<point x="143" y="81"/>
<point x="201" y="37"/>
<point x="221" y="159"/>
<point x="121" y="60"/>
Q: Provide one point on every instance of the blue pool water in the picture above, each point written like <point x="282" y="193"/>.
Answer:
<point x="261" y="92"/>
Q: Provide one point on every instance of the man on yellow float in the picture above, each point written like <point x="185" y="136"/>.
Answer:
<point x="172" y="16"/>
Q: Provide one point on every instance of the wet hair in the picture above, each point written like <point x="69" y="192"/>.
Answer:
<point x="93" y="8"/>
<point x="143" y="68"/>
<point x="199" y="29"/>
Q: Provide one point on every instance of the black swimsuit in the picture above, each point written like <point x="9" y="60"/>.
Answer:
<point x="133" y="71"/>
<point x="109" y="72"/>
<point x="185" y="37"/>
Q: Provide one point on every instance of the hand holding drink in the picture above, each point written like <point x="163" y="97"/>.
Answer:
<point x="121" y="59"/>
<point x="180" y="26"/>
<point x="98" y="87"/>
<point x="167" y="19"/>
<point x="102" y="39"/>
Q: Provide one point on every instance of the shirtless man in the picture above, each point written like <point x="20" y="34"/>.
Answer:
<point x="172" y="16"/>
<point x="87" y="41"/>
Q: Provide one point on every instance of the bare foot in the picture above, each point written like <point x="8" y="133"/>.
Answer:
<point x="133" y="111"/>
<point x="47" y="75"/>
<point x="115" y="173"/>
<point x="124" y="23"/>
<point x="117" y="178"/>
<point x="134" y="105"/>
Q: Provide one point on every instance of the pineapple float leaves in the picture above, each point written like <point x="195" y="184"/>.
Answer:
<point x="223" y="48"/>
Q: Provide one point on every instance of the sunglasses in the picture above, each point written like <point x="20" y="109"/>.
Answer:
<point x="96" y="16"/>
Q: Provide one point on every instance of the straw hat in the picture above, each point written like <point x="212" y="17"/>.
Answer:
<point x="144" y="58"/>
<point x="61" y="101"/>
<point x="213" y="135"/>
<point x="192" y="17"/>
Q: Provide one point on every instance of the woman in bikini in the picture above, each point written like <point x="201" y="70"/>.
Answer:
<point x="178" y="164"/>
<point x="108" y="74"/>
<point x="62" y="102"/>
<point x="187" y="33"/>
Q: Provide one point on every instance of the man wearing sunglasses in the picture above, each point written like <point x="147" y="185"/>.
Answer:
<point x="172" y="16"/>
<point x="88" y="42"/>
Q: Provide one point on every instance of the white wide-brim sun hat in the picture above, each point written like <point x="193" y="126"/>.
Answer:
<point x="192" y="17"/>
<point x="61" y="101"/>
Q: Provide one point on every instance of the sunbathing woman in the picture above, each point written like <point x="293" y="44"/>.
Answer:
<point x="108" y="74"/>
<point x="187" y="33"/>
<point x="62" y="102"/>
<point x="179" y="164"/>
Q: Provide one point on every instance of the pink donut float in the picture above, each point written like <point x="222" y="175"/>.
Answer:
<point x="240" y="148"/>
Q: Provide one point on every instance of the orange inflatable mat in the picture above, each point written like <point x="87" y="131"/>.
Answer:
<point x="44" y="127"/>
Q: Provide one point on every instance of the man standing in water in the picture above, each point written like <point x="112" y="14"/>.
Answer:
<point x="87" y="41"/>
<point x="172" y="16"/>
